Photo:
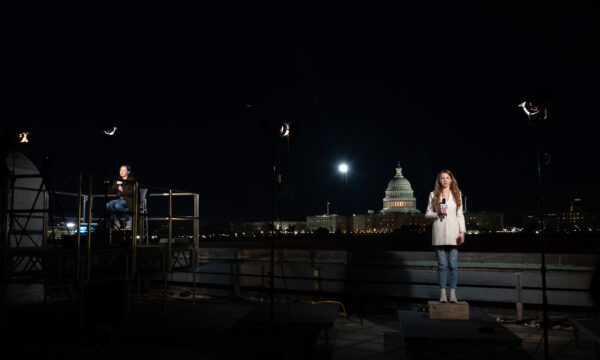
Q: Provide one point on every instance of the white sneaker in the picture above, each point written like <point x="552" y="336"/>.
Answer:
<point x="453" y="296"/>
<point x="443" y="296"/>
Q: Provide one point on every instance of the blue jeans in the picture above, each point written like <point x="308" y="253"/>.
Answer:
<point x="117" y="205"/>
<point x="447" y="256"/>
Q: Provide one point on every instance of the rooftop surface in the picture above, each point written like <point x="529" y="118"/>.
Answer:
<point x="213" y="329"/>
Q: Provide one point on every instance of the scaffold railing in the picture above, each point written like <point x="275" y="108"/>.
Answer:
<point x="59" y="251"/>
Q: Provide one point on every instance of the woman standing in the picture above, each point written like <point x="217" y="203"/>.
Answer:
<point x="448" y="229"/>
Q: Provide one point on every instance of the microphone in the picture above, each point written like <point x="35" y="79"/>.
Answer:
<point x="444" y="205"/>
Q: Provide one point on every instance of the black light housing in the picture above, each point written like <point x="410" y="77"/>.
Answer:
<point x="277" y="128"/>
<point x="535" y="106"/>
<point x="25" y="137"/>
<point x="108" y="127"/>
<point x="284" y="129"/>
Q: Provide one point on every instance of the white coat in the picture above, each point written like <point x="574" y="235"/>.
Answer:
<point x="445" y="230"/>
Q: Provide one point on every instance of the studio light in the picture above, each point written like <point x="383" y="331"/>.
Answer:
<point x="279" y="129"/>
<point x="534" y="110"/>
<point x="111" y="131"/>
<point x="108" y="127"/>
<point x="535" y="106"/>
<point x="284" y="130"/>
<point x="24" y="137"/>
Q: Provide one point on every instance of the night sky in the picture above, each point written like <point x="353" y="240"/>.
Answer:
<point x="431" y="87"/>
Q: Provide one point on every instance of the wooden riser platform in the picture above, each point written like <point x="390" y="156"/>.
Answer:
<point x="448" y="311"/>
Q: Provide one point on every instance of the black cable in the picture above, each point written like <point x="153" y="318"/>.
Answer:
<point x="563" y="348"/>
<point x="537" y="346"/>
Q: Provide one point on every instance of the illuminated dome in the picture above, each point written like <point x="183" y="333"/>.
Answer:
<point x="399" y="195"/>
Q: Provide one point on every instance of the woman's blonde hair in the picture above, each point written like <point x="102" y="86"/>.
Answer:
<point x="453" y="188"/>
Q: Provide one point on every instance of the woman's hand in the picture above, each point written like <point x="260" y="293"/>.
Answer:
<point x="460" y="239"/>
<point x="120" y="188"/>
<point x="442" y="212"/>
<point x="443" y="209"/>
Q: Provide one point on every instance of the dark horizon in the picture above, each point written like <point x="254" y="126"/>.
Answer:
<point x="436" y="89"/>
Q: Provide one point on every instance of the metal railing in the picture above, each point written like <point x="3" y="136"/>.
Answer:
<point x="84" y="249"/>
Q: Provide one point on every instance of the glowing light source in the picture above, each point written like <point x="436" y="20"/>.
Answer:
<point x="110" y="132"/>
<point x="24" y="137"/>
<point x="284" y="130"/>
<point x="535" y="106"/>
<point x="108" y="127"/>
<point x="530" y="109"/>
<point x="343" y="168"/>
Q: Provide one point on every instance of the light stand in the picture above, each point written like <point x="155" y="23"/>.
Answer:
<point x="536" y="112"/>
<point x="272" y="271"/>
<point x="281" y="131"/>
<point x="542" y="237"/>
<point x="108" y="130"/>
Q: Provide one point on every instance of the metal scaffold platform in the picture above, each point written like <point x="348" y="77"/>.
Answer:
<point x="59" y="248"/>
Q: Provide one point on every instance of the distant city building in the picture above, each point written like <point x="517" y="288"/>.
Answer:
<point x="333" y="223"/>
<point x="399" y="213"/>
<point x="61" y="229"/>
<point x="569" y="221"/>
<point x="399" y="196"/>
<point x="484" y="221"/>
<point x="384" y="223"/>
<point x="531" y="223"/>
<point x="254" y="227"/>
<point x="578" y="218"/>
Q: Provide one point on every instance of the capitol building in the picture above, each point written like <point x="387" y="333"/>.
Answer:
<point x="399" y="196"/>
<point x="399" y="213"/>
<point x="399" y="210"/>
